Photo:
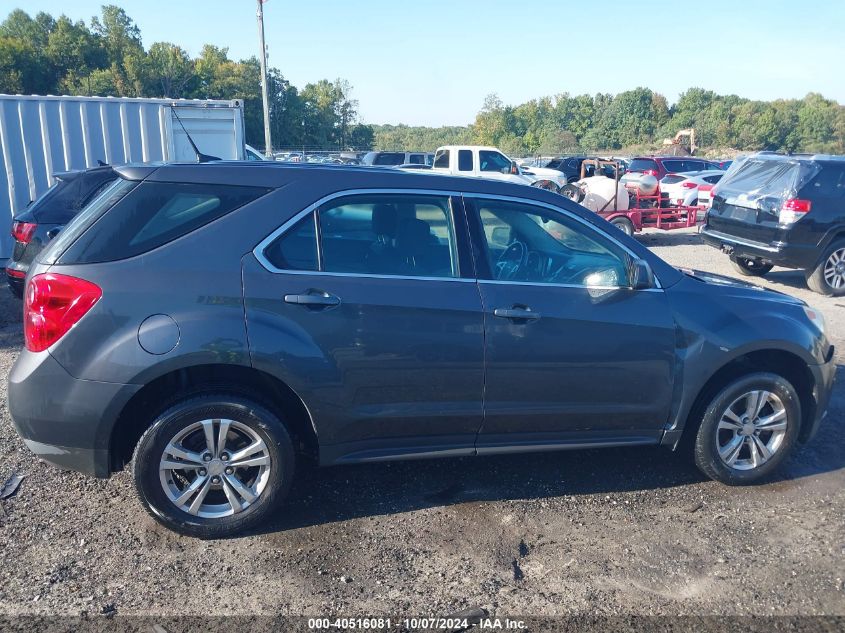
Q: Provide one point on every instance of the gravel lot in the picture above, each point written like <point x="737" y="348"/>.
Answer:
<point x="635" y="531"/>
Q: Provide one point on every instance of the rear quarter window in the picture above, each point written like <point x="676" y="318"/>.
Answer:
<point x="153" y="214"/>
<point x="828" y="183"/>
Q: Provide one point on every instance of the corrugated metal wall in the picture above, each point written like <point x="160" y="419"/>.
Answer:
<point x="40" y="136"/>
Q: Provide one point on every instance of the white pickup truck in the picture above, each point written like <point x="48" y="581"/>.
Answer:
<point x="487" y="162"/>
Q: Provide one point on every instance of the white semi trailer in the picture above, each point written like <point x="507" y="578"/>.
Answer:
<point x="42" y="135"/>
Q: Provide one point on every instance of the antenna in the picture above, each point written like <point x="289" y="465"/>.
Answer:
<point x="201" y="158"/>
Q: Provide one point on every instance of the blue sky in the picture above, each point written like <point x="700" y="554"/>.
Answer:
<point x="431" y="62"/>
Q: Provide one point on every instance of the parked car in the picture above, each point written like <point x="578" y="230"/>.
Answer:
<point x="682" y="189"/>
<point x="40" y="223"/>
<point x="218" y="324"/>
<point x="659" y="166"/>
<point x="774" y="210"/>
<point x="570" y="167"/>
<point x="479" y="161"/>
<point x="393" y="159"/>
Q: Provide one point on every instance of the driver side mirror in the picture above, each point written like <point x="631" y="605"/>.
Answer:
<point x="514" y="168"/>
<point x="642" y="277"/>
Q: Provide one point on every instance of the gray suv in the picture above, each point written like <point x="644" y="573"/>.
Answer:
<point x="215" y="325"/>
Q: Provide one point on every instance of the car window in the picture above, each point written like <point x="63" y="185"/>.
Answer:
<point x="296" y="249"/>
<point x="465" y="160"/>
<point x="493" y="161"/>
<point x="829" y="183"/>
<point x="643" y="164"/>
<point x="155" y="213"/>
<point x="389" y="158"/>
<point x="382" y="234"/>
<point x="533" y="244"/>
<point x="441" y="159"/>
<point x="713" y="179"/>
<point x="416" y="159"/>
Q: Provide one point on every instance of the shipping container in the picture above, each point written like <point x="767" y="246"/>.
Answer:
<point x="42" y="135"/>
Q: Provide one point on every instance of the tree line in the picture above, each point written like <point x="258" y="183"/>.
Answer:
<point x="638" y="120"/>
<point x="106" y="57"/>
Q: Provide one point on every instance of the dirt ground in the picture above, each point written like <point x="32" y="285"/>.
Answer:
<point x="634" y="531"/>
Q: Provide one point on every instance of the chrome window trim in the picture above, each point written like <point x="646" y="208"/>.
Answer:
<point x="570" y="215"/>
<point x="258" y="251"/>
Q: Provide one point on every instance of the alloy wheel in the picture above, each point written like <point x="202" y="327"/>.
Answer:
<point x="834" y="269"/>
<point x="751" y="430"/>
<point x="214" y="468"/>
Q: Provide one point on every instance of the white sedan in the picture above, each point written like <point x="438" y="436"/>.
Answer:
<point x="682" y="189"/>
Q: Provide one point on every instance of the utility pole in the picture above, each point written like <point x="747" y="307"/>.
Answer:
<point x="262" y="58"/>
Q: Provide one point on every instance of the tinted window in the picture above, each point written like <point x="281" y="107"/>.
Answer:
<point x="465" y="160"/>
<point x="389" y="158"/>
<point x="441" y="159"/>
<point x="417" y="159"/>
<point x="829" y="183"/>
<point x="297" y="248"/>
<point x="403" y="235"/>
<point x="493" y="161"/>
<point x="83" y="220"/>
<point x="67" y="197"/>
<point x="153" y="214"/>
<point x="642" y="164"/>
<point x="713" y="179"/>
<point x="531" y="244"/>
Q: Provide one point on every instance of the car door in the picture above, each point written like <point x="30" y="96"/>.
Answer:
<point x="367" y="307"/>
<point x="573" y="355"/>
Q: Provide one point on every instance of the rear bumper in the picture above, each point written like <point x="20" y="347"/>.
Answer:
<point x="780" y="254"/>
<point x="64" y="420"/>
<point x="16" y="278"/>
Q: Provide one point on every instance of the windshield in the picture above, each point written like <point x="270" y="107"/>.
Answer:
<point x="104" y="201"/>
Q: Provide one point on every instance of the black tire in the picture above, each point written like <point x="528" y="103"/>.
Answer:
<point x="623" y="224"/>
<point x="151" y="447"/>
<point x="816" y="280"/>
<point x="706" y="452"/>
<point x="750" y="266"/>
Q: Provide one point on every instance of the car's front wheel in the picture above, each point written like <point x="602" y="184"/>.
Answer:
<point x="748" y="429"/>
<point x="213" y="466"/>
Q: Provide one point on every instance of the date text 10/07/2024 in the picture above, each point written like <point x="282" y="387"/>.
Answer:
<point x="415" y="624"/>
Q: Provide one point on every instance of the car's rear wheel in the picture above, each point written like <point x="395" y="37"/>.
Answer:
<point x="748" y="429"/>
<point x="751" y="266"/>
<point x="213" y="466"/>
<point x="623" y="224"/>
<point x="828" y="278"/>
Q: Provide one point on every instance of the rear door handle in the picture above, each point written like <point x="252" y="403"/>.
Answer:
<point x="313" y="298"/>
<point x="517" y="313"/>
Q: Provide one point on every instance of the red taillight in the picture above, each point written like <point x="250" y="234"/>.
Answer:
<point x="650" y="172"/>
<point x="688" y="185"/>
<point x="17" y="274"/>
<point x="798" y="206"/>
<point x="23" y="231"/>
<point x="54" y="304"/>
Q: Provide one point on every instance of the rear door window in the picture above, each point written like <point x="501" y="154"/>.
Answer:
<point x="153" y="214"/>
<point x="382" y="234"/>
<point x="465" y="160"/>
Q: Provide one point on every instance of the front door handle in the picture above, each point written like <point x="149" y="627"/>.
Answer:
<point x="314" y="299"/>
<point x="517" y="313"/>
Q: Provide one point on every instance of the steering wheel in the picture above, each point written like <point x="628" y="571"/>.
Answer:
<point x="511" y="260"/>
